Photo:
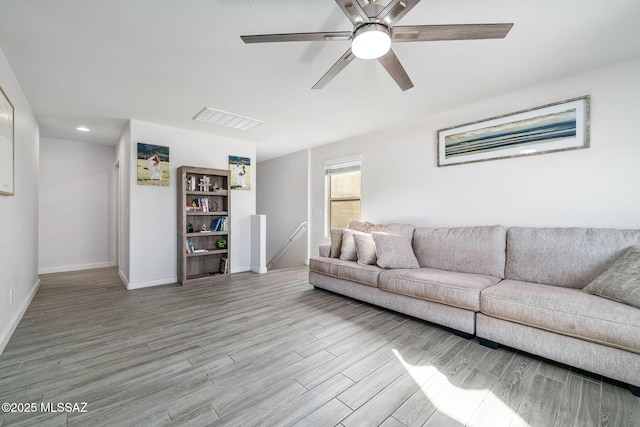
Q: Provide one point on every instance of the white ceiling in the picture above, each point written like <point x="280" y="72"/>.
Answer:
<point x="99" y="63"/>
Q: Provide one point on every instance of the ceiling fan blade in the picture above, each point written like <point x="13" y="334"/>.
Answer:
<point x="423" y="33"/>
<point x="395" y="10"/>
<point x="393" y="66"/>
<point x="297" y="37"/>
<point x="354" y="11"/>
<point x="333" y="71"/>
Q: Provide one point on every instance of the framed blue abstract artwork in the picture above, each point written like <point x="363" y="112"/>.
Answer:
<point x="554" y="127"/>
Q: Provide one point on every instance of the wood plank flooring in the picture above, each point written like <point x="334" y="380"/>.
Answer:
<point x="269" y="350"/>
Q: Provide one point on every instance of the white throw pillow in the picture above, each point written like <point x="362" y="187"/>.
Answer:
<point x="365" y="248"/>
<point x="394" y="251"/>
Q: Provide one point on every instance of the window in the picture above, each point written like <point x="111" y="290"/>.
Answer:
<point x="343" y="191"/>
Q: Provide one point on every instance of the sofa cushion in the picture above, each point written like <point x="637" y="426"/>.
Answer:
<point x="336" y="242"/>
<point x="358" y="225"/>
<point x="348" y="251"/>
<point x="336" y="236"/>
<point x="365" y="248"/>
<point x="347" y="270"/>
<point x="447" y="287"/>
<point x="621" y="282"/>
<point x="564" y="311"/>
<point x="343" y="245"/>
<point x="324" y="249"/>
<point x="394" y="251"/>
<point x="568" y="257"/>
<point x="479" y="250"/>
<point x="405" y="230"/>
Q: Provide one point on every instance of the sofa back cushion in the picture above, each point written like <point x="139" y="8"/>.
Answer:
<point x="405" y="230"/>
<point x="479" y="250"/>
<point x="568" y="257"/>
<point x="338" y="234"/>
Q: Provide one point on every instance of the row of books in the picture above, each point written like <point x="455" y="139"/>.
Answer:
<point x="201" y="204"/>
<point x="220" y="224"/>
<point x="224" y="265"/>
<point x="191" y="183"/>
<point x="191" y="250"/>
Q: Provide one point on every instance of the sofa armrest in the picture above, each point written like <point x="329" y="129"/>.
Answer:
<point x="325" y="250"/>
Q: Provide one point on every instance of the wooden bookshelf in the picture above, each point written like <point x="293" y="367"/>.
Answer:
<point x="200" y="259"/>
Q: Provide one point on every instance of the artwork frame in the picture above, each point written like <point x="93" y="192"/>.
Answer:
<point x="560" y="126"/>
<point x="153" y="165"/>
<point x="7" y="145"/>
<point x="240" y="168"/>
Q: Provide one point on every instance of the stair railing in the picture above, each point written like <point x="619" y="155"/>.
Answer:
<point x="285" y="247"/>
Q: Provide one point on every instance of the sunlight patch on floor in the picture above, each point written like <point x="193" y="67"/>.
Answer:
<point x="472" y="407"/>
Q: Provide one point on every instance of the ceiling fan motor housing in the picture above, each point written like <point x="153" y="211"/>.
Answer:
<point x="371" y="41"/>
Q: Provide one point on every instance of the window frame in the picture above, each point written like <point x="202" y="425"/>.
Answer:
<point x="338" y="167"/>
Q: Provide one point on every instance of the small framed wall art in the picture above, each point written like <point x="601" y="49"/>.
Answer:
<point x="153" y="165"/>
<point x="240" y="172"/>
<point x="554" y="127"/>
<point x="6" y="145"/>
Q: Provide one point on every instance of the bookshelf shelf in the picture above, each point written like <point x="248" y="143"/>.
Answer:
<point x="209" y="193"/>
<point x="216" y="213"/>
<point x="207" y="253"/>
<point x="200" y="260"/>
<point x="206" y="233"/>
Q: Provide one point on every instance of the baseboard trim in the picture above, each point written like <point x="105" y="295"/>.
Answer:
<point x="150" y="283"/>
<point x="123" y="278"/>
<point x="62" y="269"/>
<point x="8" y="332"/>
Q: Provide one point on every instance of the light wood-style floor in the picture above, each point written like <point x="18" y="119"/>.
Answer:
<point x="269" y="350"/>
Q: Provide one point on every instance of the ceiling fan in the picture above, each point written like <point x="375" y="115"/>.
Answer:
<point x="373" y="31"/>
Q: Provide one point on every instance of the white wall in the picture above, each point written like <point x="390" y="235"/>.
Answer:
<point x="594" y="187"/>
<point x="123" y="159"/>
<point x="283" y="196"/>
<point x="152" y="228"/>
<point x="19" y="213"/>
<point x="76" y="228"/>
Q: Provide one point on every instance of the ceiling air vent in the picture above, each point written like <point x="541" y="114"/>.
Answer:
<point x="222" y="118"/>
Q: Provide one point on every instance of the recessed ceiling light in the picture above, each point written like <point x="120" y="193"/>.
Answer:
<point x="83" y="129"/>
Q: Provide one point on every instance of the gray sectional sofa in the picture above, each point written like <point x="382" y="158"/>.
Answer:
<point x="520" y="287"/>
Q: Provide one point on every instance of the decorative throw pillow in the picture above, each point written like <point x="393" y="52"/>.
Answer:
<point x="621" y="282"/>
<point x="364" y="226"/>
<point x="336" y="242"/>
<point x="365" y="248"/>
<point x="348" y="250"/>
<point x="394" y="251"/>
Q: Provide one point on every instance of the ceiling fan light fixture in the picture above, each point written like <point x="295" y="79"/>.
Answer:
<point x="371" y="41"/>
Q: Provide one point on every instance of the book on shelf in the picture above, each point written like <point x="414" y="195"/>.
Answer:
<point x="190" y="249"/>
<point x="191" y="183"/>
<point x="204" y="202"/>
<point x="199" y="204"/>
<point x="197" y="251"/>
<point x="224" y="265"/>
<point x="220" y="224"/>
